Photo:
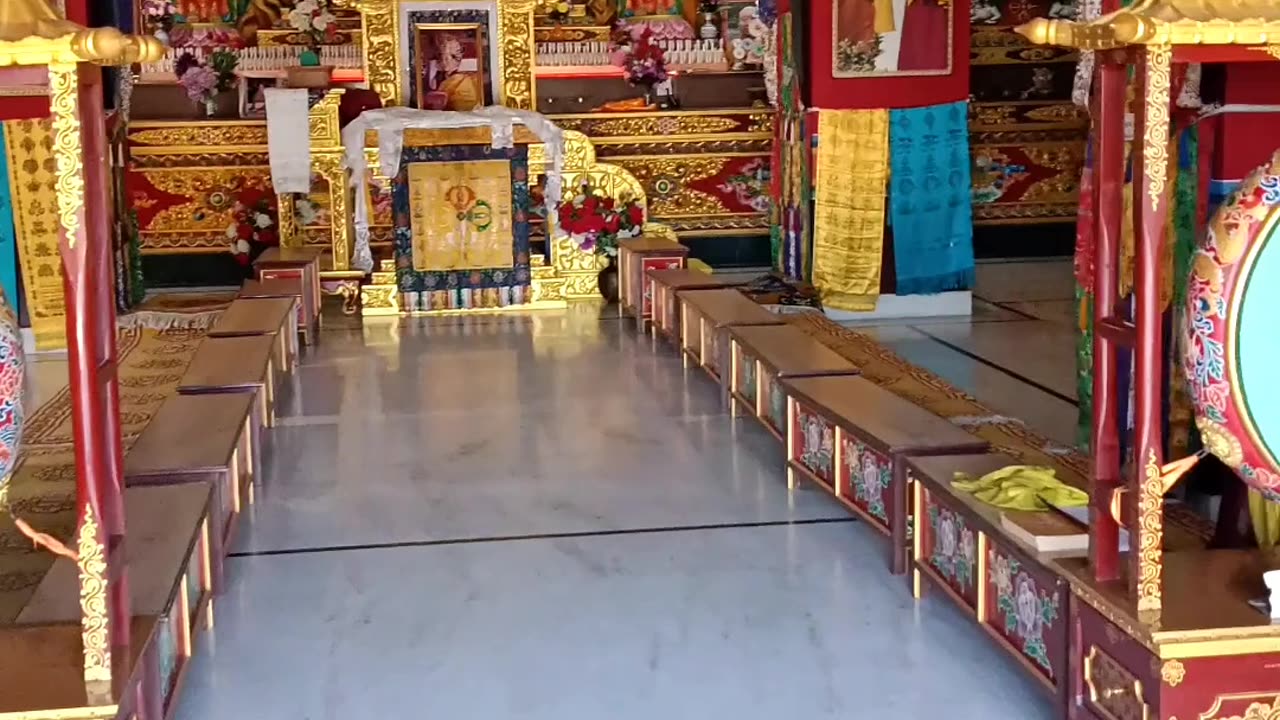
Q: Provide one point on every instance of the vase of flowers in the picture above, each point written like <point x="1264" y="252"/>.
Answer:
<point x="159" y="16"/>
<point x="643" y="62"/>
<point x="315" y="20"/>
<point x="254" y="225"/>
<point x="595" y="223"/>
<point x="208" y="82"/>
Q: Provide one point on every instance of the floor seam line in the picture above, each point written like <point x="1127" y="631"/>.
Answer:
<point x="997" y="366"/>
<point x="499" y="539"/>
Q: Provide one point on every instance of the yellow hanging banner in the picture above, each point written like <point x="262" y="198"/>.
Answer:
<point x="852" y="178"/>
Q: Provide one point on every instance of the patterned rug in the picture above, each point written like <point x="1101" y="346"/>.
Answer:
<point x="43" y="489"/>
<point x="178" y="310"/>
<point x="1186" y="530"/>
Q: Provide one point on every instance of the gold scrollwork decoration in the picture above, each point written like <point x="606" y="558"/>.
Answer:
<point x="1173" y="672"/>
<point x="93" y="600"/>
<point x="330" y="167"/>
<point x="324" y="122"/>
<point x="1114" y="692"/>
<point x="200" y="135"/>
<point x="1262" y="706"/>
<point x="515" y="58"/>
<point x="32" y="181"/>
<point x="1150" y="535"/>
<point x="68" y="152"/>
<point x="1155" y="139"/>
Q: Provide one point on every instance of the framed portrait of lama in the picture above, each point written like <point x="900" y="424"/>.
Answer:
<point x="879" y="38"/>
<point x="450" y="67"/>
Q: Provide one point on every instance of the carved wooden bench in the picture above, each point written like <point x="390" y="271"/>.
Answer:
<point x="302" y="264"/>
<point x="635" y="257"/>
<point x="202" y="439"/>
<point x="706" y="315"/>
<point x="760" y="356"/>
<point x="274" y="316"/>
<point x="170" y="565"/>
<point x="664" y="287"/>
<point x="960" y="545"/>
<point x="281" y="288"/>
<point x="852" y="437"/>
<point x="235" y="365"/>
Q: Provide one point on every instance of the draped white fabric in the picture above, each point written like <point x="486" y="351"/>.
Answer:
<point x="390" y="124"/>
<point x="288" y="140"/>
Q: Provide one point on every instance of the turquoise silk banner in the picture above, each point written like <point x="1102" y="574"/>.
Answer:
<point x="8" y="241"/>
<point x="930" y="208"/>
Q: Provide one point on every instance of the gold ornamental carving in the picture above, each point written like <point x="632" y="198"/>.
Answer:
<point x="1164" y="22"/>
<point x="1114" y="692"/>
<point x="512" y="80"/>
<point x="208" y="136"/>
<point x="1260" y="707"/>
<point x="1150" y="537"/>
<point x="64" y="87"/>
<point x="663" y="125"/>
<point x="93" y="601"/>
<point x="1155" y="139"/>
<point x="1173" y="672"/>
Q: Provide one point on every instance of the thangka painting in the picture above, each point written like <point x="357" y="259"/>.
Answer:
<point x="449" y="52"/>
<point x="461" y="216"/>
<point x="875" y="38"/>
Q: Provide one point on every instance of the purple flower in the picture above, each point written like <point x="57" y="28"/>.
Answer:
<point x="199" y="82"/>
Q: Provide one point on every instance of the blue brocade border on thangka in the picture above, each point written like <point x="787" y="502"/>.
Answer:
<point x="518" y="276"/>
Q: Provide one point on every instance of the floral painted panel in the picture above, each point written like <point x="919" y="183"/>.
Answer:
<point x="868" y="479"/>
<point x="775" y="403"/>
<point x="654" y="263"/>
<point x="195" y="581"/>
<point x="952" y="550"/>
<point x="1021" y="609"/>
<point x="711" y="357"/>
<point x="815" y="444"/>
<point x="746" y="376"/>
<point x="167" y="654"/>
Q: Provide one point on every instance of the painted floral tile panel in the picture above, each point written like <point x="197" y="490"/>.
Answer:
<point x="1027" y="612"/>
<point x="951" y="548"/>
<point x="867" y="480"/>
<point x="775" y="402"/>
<point x="815" y="444"/>
<point x="746" y="376"/>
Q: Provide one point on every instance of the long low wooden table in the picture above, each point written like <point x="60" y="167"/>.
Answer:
<point x="664" y="285"/>
<point x="235" y="365"/>
<point x="205" y="439"/>
<point x="635" y="257"/>
<point x="295" y="263"/>
<point x="705" y="318"/>
<point x="760" y="356"/>
<point x="274" y="316"/>
<point x="853" y="437"/>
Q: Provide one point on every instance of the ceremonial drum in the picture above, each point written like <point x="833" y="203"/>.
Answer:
<point x="12" y="372"/>
<point x="1231" y="345"/>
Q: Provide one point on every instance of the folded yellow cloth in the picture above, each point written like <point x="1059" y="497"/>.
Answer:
<point x="1022" y="487"/>
<point x="1266" y="519"/>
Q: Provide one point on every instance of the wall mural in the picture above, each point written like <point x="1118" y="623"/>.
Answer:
<point x="892" y="37"/>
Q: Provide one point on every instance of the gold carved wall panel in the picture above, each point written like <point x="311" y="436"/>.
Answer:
<point x="32" y="179"/>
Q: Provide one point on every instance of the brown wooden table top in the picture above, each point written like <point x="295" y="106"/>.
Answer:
<point x="279" y="287"/>
<point x="230" y="362"/>
<point x="42" y="666"/>
<point x="688" y="279"/>
<point x="254" y="316"/>
<point x="886" y="422"/>
<point x="190" y="433"/>
<point x="725" y="307"/>
<point x="790" y="352"/>
<point x="290" y="255"/>
<point x="163" y="523"/>
<point x="645" y="243"/>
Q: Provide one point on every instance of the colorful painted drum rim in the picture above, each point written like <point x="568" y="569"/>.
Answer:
<point x="1221" y="281"/>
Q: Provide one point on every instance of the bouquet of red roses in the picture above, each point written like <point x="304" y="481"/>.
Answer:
<point x="595" y="222"/>
<point x="641" y="59"/>
<point x="253" y="225"/>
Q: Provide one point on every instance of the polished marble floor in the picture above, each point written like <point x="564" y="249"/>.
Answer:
<point x="550" y="518"/>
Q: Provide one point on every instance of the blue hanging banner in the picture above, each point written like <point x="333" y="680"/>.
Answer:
<point x="8" y="239"/>
<point x="930" y="203"/>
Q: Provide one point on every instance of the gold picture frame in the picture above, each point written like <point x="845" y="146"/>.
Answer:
<point x="512" y="79"/>
<point x="427" y="39"/>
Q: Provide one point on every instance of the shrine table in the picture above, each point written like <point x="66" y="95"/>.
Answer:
<point x="235" y="365"/>
<point x="296" y="263"/>
<point x="274" y="316"/>
<point x="852" y="437"/>
<point x="281" y="288"/>
<point x="705" y="316"/>
<point x="170" y="577"/>
<point x="207" y="439"/>
<point x="636" y="256"/>
<point x="664" y="287"/>
<point x="959" y="544"/>
<point x="761" y="355"/>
